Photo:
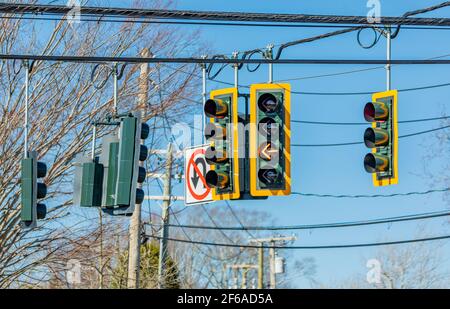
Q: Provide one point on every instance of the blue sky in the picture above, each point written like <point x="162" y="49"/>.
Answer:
<point x="340" y="170"/>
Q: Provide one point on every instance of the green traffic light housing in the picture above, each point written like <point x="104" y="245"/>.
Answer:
<point x="32" y="191"/>
<point x="128" y="171"/>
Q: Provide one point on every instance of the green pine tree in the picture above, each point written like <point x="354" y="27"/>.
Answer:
<point x="148" y="276"/>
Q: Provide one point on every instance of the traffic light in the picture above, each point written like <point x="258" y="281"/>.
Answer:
<point x="382" y="138"/>
<point x="222" y="134"/>
<point x="270" y="140"/>
<point x="129" y="171"/>
<point x="32" y="191"/>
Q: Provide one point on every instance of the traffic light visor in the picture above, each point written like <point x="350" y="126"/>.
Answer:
<point x="374" y="138"/>
<point x="268" y="103"/>
<point x="374" y="163"/>
<point x="216" y="109"/>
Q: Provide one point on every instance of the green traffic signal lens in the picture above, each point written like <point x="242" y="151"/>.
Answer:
<point x="217" y="180"/>
<point x="214" y="156"/>
<point x="140" y="196"/>
<point x="145" y="131"/>
<point x="41" y="190"/>
<point x="269" y="104"/>
<point x="375" y="163"/>
<point x="214" y="131"/>
<point x="374" y="138"/>
<point x="216" y="109"/>
<point x="376" y="111"/>
<point x="41" y="211"/>
<point x="41" y="170"/>
<point x="269" y="176"/>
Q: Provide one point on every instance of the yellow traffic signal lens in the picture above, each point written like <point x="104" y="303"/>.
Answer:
<point x="216" y="109"/>
<point x="375" y="163"/>
<point x="214" y="131"/>
<point x="268" y="103"/>
<point x="374" y="138"/>
<point x="216" y="156"/>
<point x="376" y="111"/>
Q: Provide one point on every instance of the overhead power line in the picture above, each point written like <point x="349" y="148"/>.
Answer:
<point x="200" y="23"/>
<point x="361" y="143"/>
<point x="365" y="123"/>
<point x="140" y="60"/>
<point x="18" y="8"/>
<point x="369" y="92"/>
<point x="363" y="196"/>
<point x="415" y="217"/>
<point x="379" y="244"/>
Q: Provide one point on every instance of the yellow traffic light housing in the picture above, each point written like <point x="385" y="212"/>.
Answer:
<point x="223" y="136"/>
<point x="382" y="138"/>
<point x="270" y="140"/>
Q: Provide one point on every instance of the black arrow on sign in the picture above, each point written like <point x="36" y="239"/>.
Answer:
<point x="195" y="179"/>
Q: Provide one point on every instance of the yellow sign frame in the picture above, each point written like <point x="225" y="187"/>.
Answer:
<point x="286" y="89"/>
<point x="393" y="180"/>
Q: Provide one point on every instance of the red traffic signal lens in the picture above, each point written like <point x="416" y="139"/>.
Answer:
<point x="376" y="111"/>
<point x="145" y="131"/>
<point x="268" y="103"/>
<point x="216" y="109"/>
<point x="41" y="170"/>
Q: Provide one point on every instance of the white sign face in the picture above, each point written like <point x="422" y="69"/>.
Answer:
<point x="196" y="190"/>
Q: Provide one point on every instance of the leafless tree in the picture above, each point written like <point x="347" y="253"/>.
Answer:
<point x="413" y="266"/>
<point x="63" y="103"/>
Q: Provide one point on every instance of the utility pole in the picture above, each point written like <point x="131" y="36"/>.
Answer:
<point x="261" y="267"/>
<point x="134" y="251"/>
<point x="165" y="219"/>
<point x="245" y="269"/>
<point x="272" y="256"/>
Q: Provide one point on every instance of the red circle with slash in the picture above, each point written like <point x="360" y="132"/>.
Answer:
<point x="192" y="164"/>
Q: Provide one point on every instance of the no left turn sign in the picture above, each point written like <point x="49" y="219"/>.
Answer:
<point x="196" y="168"/>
